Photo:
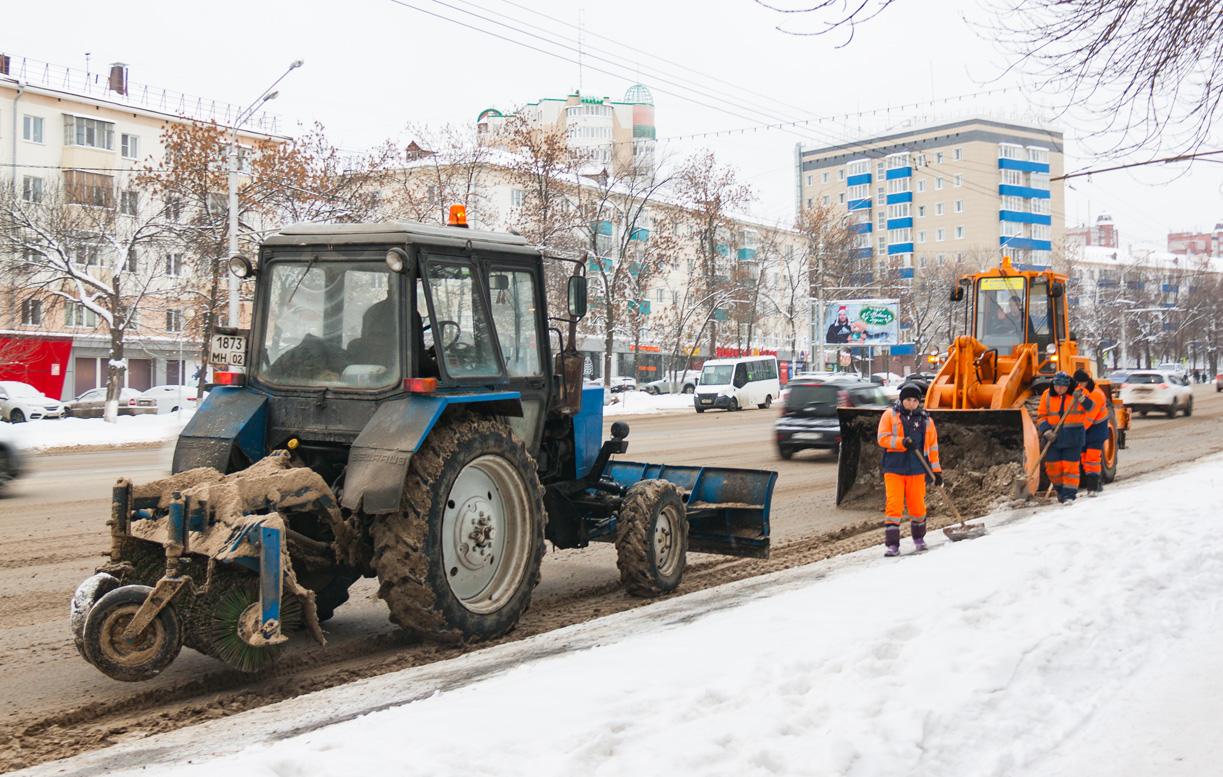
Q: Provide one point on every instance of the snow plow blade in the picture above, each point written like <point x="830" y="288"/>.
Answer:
<point x="728" y="509"/>
<point x="983" y="453"/>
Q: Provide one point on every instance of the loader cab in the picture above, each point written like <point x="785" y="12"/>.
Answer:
<point x="1011" y="310"/>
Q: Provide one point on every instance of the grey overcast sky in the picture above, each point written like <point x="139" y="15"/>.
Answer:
<point x="373" y="66"/>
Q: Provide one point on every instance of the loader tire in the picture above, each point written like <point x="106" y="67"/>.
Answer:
<point x="651" y="538"/>
<point x="152" y="650"/>
<point x="460" y="559"/>
<point x="1108" y="472"/>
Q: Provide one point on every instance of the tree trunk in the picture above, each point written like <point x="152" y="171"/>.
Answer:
<point x="115" y="371"/>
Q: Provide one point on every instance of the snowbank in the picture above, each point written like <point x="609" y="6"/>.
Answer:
<point x="641" y="403"/>
<point x="1044" y="648"/>
<point x="71" y="432"/>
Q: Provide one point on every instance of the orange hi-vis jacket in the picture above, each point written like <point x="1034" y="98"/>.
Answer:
<point x="1097" y="419"/>
<point x="892" y="432"/>
<point x="1053" y="406"/>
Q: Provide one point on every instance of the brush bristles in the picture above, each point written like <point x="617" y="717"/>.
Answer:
<point x="229" y="646"/>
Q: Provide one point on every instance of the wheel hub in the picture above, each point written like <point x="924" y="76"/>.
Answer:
<point x="477" y="533"/>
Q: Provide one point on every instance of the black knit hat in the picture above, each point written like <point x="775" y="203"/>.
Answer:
<point x="910" y="391"/>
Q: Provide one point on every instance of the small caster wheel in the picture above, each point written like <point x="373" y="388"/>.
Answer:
<point x="87" y="595"/>
<point x="144" y="657"/>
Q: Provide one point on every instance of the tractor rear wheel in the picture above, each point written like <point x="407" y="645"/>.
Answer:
<point x="460" y="559"/>
<point x="651" y="538"/>
<point x="1108" y="458"/>
<point x="143" y="658"/>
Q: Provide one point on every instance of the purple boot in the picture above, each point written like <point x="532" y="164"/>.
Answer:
<point x="919" y="535"/>
<point x="891" y="541"/>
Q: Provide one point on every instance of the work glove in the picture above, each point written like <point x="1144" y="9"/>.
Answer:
<point x="1050" y="435"/>
<point x="909" y="443"/>
<point x="938" y="479"/>
<point x="1078" y="394"/>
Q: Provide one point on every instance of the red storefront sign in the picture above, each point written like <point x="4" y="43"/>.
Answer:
<point x="41" y="362"/>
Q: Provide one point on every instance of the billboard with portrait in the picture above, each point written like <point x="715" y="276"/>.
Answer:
<point x="861" y="322"/>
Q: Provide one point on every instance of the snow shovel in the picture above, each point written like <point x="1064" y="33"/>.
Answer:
<point x="1022" y="484"/>
<point x="964" y="531"/>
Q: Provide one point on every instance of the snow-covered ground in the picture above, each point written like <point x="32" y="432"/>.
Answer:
<point x="641" y="403"/>
<point x="1079" y="640"/>
<point x="69" y="432"/>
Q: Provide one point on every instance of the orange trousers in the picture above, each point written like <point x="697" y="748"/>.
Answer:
<point x="904" y="490"/>
<point x="1092" y="459"/>
<point x="1063" y="473"/>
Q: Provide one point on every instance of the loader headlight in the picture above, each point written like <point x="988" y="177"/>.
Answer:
<point x="241" y="267"/>
<point x="396" y="259"/>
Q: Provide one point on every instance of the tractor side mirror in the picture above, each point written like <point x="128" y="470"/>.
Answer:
<point x="577" y="296"/>
<point x="957" y="294"/>
<point x="1057" y="290"/>
<point x="498" y="282"/>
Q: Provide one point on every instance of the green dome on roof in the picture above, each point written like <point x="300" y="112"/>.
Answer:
<point x="637" y="93"/>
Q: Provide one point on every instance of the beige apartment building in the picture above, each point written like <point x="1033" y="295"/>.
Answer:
<point x="86" y="134"/>
<point x="930" y="196"/>
<point x="615" y="134"/>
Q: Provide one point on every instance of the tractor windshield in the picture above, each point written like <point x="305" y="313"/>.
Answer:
<point x="331" y="323"/>
<point x="1001" y="318"/>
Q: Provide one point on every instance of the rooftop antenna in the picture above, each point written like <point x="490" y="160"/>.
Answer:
<point x="86" y="66"/>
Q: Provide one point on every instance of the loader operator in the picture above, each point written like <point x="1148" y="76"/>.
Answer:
<point x="1062" y="419"/>
<point x="1097" y="432"/>
<point x="903" y="427"/>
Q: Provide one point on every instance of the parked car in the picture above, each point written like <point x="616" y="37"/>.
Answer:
<point x="11" y="459"/>
<point x="92" y="404"/>
<point x="1147" y="390"/>
<point x="889" y="379"/>
<point x="809" y="412"/>
<point x="167" y="399"/>
<point x="686" y="383"/>
<point x="1173" y="367"/>
<point x="22" y="402"/>
<point x="1119" y="377"/>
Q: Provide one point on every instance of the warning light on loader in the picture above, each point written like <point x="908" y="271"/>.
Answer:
<point x="458" y="216"/>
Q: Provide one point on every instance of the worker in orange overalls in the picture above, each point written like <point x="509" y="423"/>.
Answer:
<point x="1096" y="435"/>
<point x="1062" y="457"/>
<point x="905" y="429"/>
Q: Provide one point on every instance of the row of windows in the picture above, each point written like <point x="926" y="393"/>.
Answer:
<point x="77" y="316"/>
<point x="1021" y="153"/>
<point x="940" y="235"/>
<point x="1022" y="178"/>
<point x="894" y="161"/>
<point x="80" y="131"/>
<point x="1016" y="229"/>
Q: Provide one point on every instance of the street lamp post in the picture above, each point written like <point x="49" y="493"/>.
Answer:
<point x="269" y="94"/>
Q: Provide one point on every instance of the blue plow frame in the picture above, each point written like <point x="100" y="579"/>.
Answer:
<point x="728" y="509"/>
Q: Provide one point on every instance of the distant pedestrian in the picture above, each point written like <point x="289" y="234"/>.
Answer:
<point x="1096" y="433"/>
<point x="1066" y="445"/>
<point x="906" y="431"/>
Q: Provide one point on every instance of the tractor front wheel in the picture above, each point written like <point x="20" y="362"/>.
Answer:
<point x="144" y="657"/>
<point x="651" y="538"/>
<point x="460" y="559"/>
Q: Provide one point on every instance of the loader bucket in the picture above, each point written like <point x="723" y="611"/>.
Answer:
<point x="984" y="455"/>
<point x="728" y="509"/>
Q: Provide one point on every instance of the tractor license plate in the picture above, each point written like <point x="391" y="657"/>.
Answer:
<point x="809" y="435"/>
<point x="228" y="349"/>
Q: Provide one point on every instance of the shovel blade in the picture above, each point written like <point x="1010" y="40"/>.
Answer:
<point x="968" y="531"/>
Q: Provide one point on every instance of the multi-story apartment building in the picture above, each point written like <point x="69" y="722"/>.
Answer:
<point x="615" y="135"/>
<point x="86" y="135"/>
<point x="931" y="195"/>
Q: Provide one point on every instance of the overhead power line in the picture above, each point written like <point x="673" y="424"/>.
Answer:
<point x="1165" y="160"/>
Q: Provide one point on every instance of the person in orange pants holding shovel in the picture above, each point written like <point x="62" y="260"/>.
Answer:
<point x="906" y="431"/>
<point x="1096" y="434"/>
<point x="1066" y="443"/>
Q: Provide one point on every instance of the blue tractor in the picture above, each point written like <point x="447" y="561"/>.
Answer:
<point x="402" y="407"/>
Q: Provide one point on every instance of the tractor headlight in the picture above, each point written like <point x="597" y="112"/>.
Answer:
<point x="241" y="267"/>
<point x="396" y="259"/>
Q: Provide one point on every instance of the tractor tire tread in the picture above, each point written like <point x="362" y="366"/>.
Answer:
<point x="410" y="581"/>
<point x="638" y="574"/>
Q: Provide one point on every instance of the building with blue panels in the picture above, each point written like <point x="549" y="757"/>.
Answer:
<point x="937" y="195"/>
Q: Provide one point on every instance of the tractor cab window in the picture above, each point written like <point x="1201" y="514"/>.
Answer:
<point x="1001" y="322"/>
<point x="514" y="305"/>
<point x="331" y="324"/>
<point x="460" y="327"/>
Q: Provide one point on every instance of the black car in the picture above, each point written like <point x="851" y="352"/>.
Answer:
<point x="11" y="460"/>
<point x="809" y="412"/>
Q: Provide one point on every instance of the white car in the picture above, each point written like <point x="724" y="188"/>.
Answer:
<point x="687" y="383"/>
<point x="1147" y="390"/>
<point x="887" y="379"/>
<point x="168" y="399"/>
<point x="22" y="402"/>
